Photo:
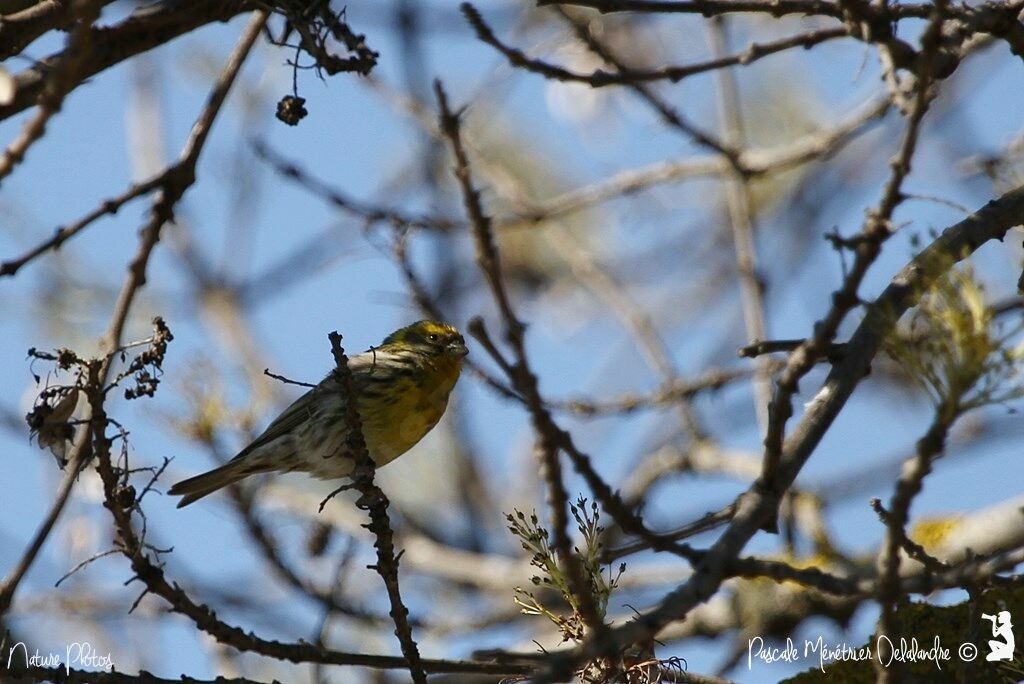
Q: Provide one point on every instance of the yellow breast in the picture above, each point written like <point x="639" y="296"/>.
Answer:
<point x="394" y="425"/>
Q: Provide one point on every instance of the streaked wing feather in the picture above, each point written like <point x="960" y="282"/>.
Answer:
<point x="289" y="419"/>
<point x="361" y="366"/>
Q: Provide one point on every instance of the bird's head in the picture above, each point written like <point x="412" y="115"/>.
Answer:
<point x="429" y="339"/>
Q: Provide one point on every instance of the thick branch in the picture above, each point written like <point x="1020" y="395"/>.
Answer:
<point x="18" y="30"/>
<point x="144" y="30"/>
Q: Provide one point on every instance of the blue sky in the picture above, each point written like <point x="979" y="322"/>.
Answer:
<point x="355" y="141"/>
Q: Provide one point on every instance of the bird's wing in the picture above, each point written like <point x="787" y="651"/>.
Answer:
<point x="364" y="367"/>
<point x="360" y="365"/>
<point x="290" y="418"/>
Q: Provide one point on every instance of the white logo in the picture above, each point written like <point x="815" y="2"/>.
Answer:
<point x="1002" y="627"/>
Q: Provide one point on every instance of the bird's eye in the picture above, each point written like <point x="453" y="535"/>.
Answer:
<point x="432" y="337"/>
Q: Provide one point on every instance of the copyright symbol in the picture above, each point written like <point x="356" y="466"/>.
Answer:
<point x="968" y="652"/>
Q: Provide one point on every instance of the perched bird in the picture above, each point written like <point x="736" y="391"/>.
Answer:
<point x="402" y="390"/>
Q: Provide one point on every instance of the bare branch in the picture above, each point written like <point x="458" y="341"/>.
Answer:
<point x="62" y="78"/>
<point x="19" y="30"/>
<point x="373" y="500"/>
<point x="601" y="78"/>
<point x="144" y="30"/>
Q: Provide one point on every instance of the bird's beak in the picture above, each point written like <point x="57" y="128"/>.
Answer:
<point x="457" y="350"/>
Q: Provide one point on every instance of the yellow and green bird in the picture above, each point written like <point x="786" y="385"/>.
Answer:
<point x="401" y="388"/>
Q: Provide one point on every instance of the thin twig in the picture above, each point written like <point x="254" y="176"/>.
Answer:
<point x="752" y="162"/>
<point x="708" y="522"/>
<point x="832" y="353"/>
<point x="287" y="381"/>
<point x="601" y="78"/>
<point x="669" y="393"/>
<point x="371" y="214"/>
<point x="666" y="112"/>
<point x="87" y="561"/>
<point x="64" y="233"/>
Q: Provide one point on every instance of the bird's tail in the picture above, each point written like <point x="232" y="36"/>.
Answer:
<point x="195" y="488"/>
